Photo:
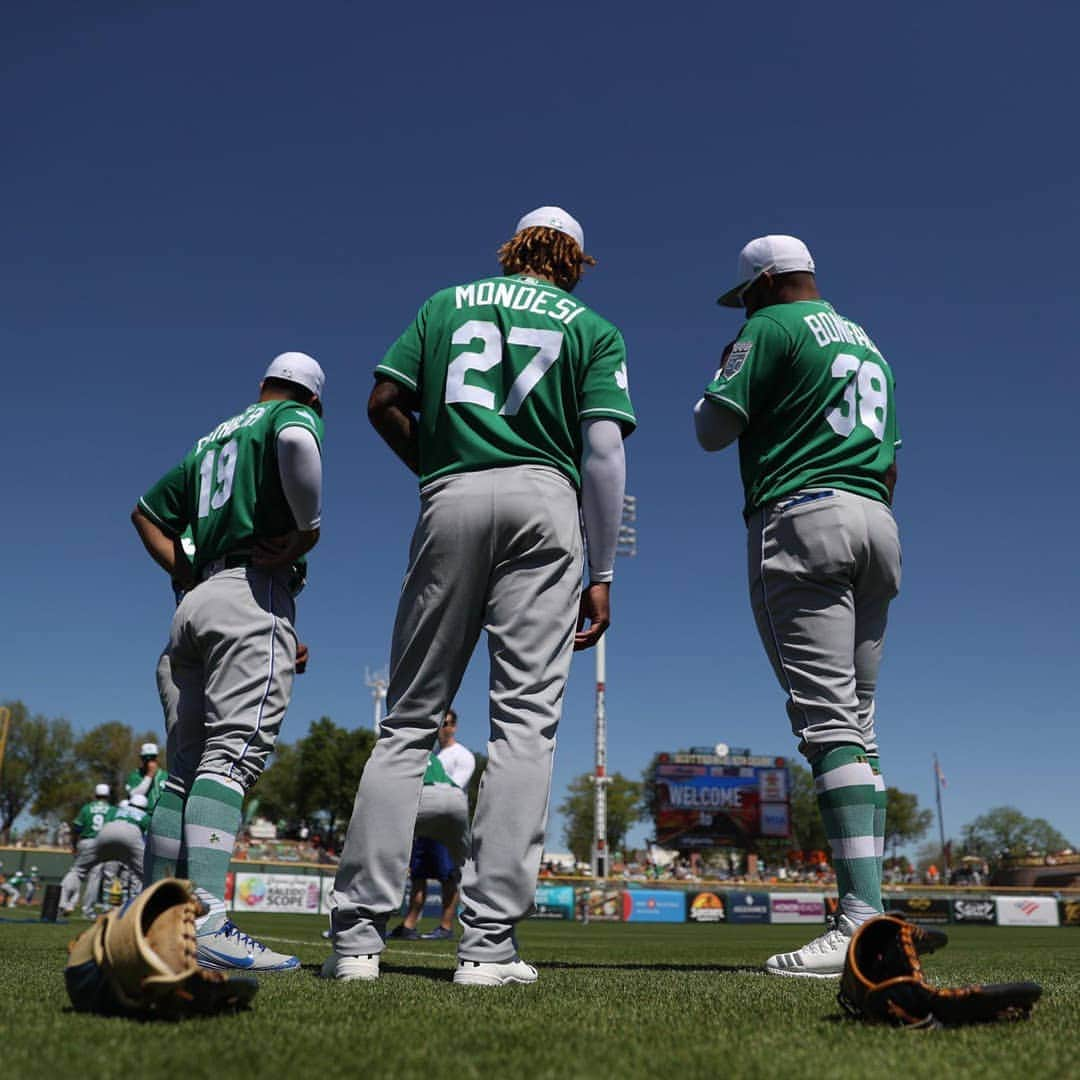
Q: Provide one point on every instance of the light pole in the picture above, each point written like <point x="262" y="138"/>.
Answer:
<point x="627" y="545"/>
<point x="378" y="683"/>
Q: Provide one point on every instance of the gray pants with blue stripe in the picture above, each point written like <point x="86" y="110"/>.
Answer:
<point x="498" y="550"/>
<point x="823" y="566"/>
<point x="225" y="679"/>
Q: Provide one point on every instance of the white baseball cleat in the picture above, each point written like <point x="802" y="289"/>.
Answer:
<point x="481" y="973"/>
<point x="228" y="948"/>
<point x="822" y="958"/>
<point x="351" y="968"/>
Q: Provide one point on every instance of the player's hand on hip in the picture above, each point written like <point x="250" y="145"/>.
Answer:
<point x="272" y="552"/>
<point x="301" y="657"/>
<point x="595" y="610"/>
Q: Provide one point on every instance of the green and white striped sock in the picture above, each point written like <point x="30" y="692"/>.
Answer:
<point x="212" y="817"/>
<point x="881" y="802"/>
<point x="165" y="837"/>
<point x="848" y="800"/>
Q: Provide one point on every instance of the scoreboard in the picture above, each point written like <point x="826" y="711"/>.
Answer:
<point x="703" y="800"/>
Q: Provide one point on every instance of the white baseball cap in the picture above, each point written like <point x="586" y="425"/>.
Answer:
<point x="148" y="749"/>
<point x="102" y="791"/>
<point x="299" y="368"/>
<point x="139" y="800"/>
<point x="767" y="254"/>
<point x="553" y="217"/>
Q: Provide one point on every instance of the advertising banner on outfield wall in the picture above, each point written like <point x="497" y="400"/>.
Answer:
<point x="705" y="906"/>
<point x="296" y="894"/>
<point x="1026" y="911"/>
<point x="604" y="904"/>
<point x="920" y="909"/>
<point x="654" y="905"/>
<point x="974" y="911"/>
<point x="554" y="902"/>
<point x="1070" y="913"/>
<point x="748" y="907"/>
<point x="797" y="907"/>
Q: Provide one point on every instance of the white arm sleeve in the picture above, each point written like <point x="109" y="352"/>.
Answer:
<point x="715" y="425"/>
<point x="603" y="484"/>
<point x="300" y="468"/>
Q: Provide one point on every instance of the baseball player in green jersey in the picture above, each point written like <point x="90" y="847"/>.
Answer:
<point x="87" y="824"/>
<point x="811" y="400"/>
<point x="251" y="493"/>
<point x="508" y="397"/>
<point x="149" y="778"/>
<point x="119" y="846"/>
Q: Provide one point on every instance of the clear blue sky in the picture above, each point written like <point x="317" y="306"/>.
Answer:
<point x="189" y="189"/>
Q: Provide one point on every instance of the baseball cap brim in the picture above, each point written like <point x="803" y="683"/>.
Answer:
<point x="733" y="297"/>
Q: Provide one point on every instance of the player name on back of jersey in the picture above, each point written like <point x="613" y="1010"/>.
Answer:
<point x="519" y="295"/>
<point x="249" y="416"/>
<point x="829" y="328"/>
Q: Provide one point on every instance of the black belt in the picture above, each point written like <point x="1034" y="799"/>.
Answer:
<point x="236" y="559"/>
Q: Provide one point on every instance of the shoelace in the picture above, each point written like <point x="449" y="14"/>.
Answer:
<point x="230" y="929"/>
<point x="826" y="943"/>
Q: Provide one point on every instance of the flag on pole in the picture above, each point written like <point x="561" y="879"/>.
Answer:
<point x="939" y="774"/>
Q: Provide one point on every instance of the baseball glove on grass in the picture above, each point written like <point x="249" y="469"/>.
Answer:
<point x="140" y="961"/>
<point x="883" y="982"/>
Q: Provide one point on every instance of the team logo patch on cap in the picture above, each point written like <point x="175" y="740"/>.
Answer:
<point x="736" y="358"/>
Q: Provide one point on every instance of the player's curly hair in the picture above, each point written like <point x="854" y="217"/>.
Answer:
<point x="545" y="251"/>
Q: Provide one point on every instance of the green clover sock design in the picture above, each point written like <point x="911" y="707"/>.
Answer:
<point x="848" y="800"/>
<point x="212" y="819"/>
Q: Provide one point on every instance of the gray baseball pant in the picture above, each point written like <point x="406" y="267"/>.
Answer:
<point x="823" y="566"/>
<point x="498" y="550"/>
<point x="226" y="677"/>
<point x="443" y="815"/>
<point x="122" y="842"/>
<point x="71" y="885"/>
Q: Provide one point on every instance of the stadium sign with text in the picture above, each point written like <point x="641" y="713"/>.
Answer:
<point x="704" y="800"/>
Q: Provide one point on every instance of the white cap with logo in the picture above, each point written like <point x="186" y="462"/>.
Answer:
<point x="553" y="217"/>
<point x="299" y="368"/>
<point x="102" y="791"/>
<point x="771" y="255"/>
<point x="148" y="749"/>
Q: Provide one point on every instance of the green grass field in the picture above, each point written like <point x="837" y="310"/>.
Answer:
<point x="613" y="999"/>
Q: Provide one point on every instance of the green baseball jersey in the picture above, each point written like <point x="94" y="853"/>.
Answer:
<point x="506" y="370"/>
<point x="129" y="813"/>
<point x="818" y="400"/>
<point x="228" y="489"/>
<point x="152" y="791"/>
<point x="90" y="818"/>
<point x="436" y="772"/>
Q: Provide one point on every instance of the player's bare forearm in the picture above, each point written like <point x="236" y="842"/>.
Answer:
<point x="595" y="609"/>
<point x="891" y="474"/>
<point x="165" y="550"/>
<point x="391" y="410"/>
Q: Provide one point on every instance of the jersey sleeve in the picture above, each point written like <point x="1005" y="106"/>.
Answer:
<point x="165" y="503"/>
<point x="741" y="382"/>
<point x="296" y="415"/>
<point x="605" y="387"/>
<point x="404" y="358"/>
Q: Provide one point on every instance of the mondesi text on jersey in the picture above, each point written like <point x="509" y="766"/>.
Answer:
<point x="518" y="296"/>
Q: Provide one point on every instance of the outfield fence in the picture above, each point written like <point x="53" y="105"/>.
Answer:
<point x="304" y="888"/>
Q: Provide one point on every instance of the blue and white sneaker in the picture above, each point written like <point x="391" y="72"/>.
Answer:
<point x="228" y="948"/>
